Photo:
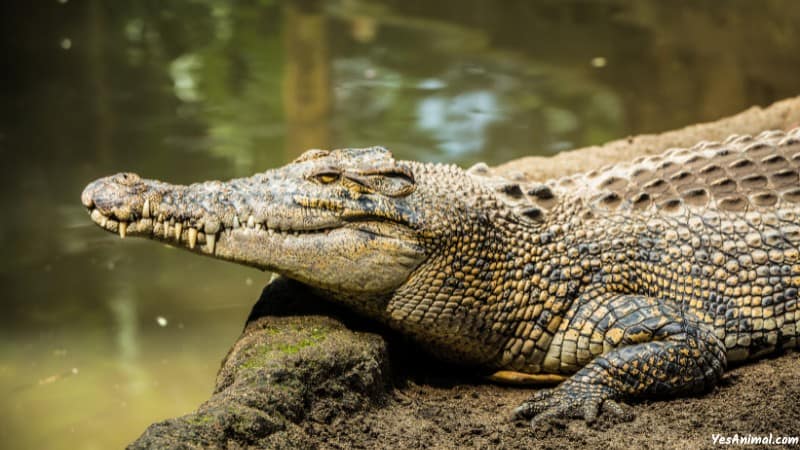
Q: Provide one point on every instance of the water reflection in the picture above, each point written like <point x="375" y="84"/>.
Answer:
<point x="123" y="307"/>
<point x="460" y="123"/>
<point x="306" y="78"/>
<point x="99" y="338"/>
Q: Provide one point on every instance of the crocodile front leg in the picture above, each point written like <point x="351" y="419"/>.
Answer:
<point x="630" y="346"/>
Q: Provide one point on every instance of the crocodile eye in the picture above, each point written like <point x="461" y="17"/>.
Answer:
<point x="327" y="177"/>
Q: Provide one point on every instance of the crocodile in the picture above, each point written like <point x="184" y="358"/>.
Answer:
<point x="644" y="279"/>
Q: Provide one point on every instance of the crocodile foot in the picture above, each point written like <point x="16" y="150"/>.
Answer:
<point x="572" y="400"/>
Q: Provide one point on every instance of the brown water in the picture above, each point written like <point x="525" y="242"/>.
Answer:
<point x="99" y="338"/>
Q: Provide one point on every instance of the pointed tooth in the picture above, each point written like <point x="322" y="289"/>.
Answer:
<point x="211" y="242"/>
<point x="103" y="221"/>
<point x="251" y="222"/>
<point x="146" y="208"/>
<point x="258" y="226"/>
<point x="123" y="229"/>
<point x="236" y="223"/>
<point x="166" y="230"/>
<point x="192" y="237"/>
<point x="178" y="231"/>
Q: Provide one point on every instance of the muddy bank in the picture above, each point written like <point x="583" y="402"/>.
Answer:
<point x="307" y="374"/>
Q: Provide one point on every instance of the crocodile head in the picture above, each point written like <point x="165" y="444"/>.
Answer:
<point x="355" y="221"/>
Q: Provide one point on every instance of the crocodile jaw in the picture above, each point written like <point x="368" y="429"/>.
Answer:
<point x="328" y="254"/>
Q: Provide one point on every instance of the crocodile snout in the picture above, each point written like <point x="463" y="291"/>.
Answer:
<point x="111" y="194"/>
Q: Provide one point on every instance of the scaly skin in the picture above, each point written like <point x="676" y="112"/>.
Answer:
<point x="641" y="279"/>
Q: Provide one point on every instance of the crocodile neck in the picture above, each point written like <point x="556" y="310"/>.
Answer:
<point x="467" y="301"/>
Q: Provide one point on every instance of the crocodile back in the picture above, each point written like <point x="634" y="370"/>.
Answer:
<point x="714" y="228"/>
<point x="739" y="175"/>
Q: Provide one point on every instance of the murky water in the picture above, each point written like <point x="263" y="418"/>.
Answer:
<point x="99" y="338"/>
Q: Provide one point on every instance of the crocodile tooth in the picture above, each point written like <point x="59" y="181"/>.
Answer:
<point x="192" y="237"/>
<point x="98" y="217"/>
<point x="251" y="222"/>
<point x="123" y="229"/>
<point x="178" y="230"/>
<point x="160" y="217"/>
<point x="236" y="223"/>
<point x="145" y="225"/>
<point x="258" y="226"/>
<point x="146" y="208"/>
<point x="211" y="242"/>
<point x="166" y="230"/>
<point x="192" y="233"/>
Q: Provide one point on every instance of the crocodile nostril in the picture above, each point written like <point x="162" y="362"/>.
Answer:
<point x="127" y="178"/>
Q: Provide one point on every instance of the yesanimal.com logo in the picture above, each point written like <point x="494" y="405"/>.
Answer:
<point x="753" y="439"/>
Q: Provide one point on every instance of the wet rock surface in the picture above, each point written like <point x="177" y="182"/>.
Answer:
<point x="307" y="374"/>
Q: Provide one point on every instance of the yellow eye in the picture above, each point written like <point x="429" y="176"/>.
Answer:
<point x="327" y="178"/>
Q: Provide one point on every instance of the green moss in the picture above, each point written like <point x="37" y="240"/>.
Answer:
<point x="291" y="349"/>
<point x="272" y="331"/>
<point x="320" y="333"/>
<point x="264" y="353"/>
<point x="200" y="419"/>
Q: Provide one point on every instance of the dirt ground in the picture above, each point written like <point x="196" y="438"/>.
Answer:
<point x="301" y="377"/>
<point x="756" y="399"/>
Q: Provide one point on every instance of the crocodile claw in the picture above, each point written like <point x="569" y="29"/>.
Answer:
<point x="572" y="400"/>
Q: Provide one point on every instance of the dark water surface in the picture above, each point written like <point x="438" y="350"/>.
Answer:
<point x="99" y="338"/>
